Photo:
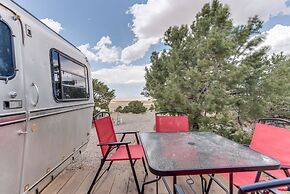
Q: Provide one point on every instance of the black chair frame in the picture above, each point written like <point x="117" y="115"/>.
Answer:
<point x="116" y="145"/>
<point x="265" y="186"/>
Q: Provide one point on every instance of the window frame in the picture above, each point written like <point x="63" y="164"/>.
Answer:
<point x="53" y="80"/>
<point x="6" y="78"/>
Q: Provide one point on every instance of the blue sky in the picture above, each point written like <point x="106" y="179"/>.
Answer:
<point x="118" y="36"/>
<point x="88" y="21"/>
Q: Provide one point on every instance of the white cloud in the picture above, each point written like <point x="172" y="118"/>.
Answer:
<point x="242" y="10"/>
<point x="105" y="40"/>
<point x="102" y="51"/>
<point x="54" y="25"/>
<point x="105" y="53"/>
<point x="278" y="39"/>
<point x="86" y="50"/>
<point x="127" y="81"/>
<point x="152" y="19"/>
<point x="137" y="50"/>
<point x="108" y="55"/>
<point x="121" y="74"/>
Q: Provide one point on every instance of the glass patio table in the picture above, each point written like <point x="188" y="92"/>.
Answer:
<point x="197" y="153"/>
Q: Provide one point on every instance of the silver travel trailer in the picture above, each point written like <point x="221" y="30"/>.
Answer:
<point x="46" y="101"/>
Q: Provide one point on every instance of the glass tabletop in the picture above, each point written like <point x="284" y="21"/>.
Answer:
<point x="185" y="153"/>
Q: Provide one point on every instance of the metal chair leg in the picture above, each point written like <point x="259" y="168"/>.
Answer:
<point x="209" y="184"/>
<point x="96" y="176"/>
<point x="103" y="160"/>
<point x="203" y="184"/>
<point x="166" y="185"/>
<point x="149" y="182"/>
<point x="286" y="171"/>
<point x="135" y="176"/>
<point x="212" y="178"/>
<point x="145" y="168"/>
<point x="109" y="165"/>
<point x="133" y="169"/>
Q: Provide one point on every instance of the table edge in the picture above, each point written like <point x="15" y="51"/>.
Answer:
<point x="207" y="171"/>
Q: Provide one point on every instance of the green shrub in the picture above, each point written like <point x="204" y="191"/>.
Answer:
<point x="119" y="109"/>
<point x="151" y="108"/>
<point x="135" y="107"/>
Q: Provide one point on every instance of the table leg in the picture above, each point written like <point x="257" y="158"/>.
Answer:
<point x="174" y="182"/>
<point x="258" y="176"/>
<point x="231" y="186"/>
<point x="156" y="185"/>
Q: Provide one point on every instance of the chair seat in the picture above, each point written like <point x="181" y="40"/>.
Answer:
<point x="277" y="173"/>
<point x="243" y="178"/>
<point x="136" y="151"/>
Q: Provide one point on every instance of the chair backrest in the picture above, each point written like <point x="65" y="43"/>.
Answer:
<point x="272" y="141"/>
<point x="169" y="123"/>
<point x="105" y="130"/>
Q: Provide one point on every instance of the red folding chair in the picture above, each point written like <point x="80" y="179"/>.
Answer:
<point x="171" y="122"/>
<point x="272" y="141"/>
<point x="114" y="150"/>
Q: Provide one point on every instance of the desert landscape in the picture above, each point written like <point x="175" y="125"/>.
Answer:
<point x="124" y="102"/>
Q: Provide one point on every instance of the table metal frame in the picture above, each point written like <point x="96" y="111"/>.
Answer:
<point x="205" y="186"/>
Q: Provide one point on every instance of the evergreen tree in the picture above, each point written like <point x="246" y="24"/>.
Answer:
<point x="102" y="95"/>
<point x="217" y="72"/>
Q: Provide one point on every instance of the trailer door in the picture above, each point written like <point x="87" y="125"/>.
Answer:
<point x="12" y="109"/>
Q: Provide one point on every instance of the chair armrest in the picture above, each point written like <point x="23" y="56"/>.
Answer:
<point x="264" y="185"/>
<point x="124" y="133"/>
<point x="127" y="132"/>
<point x="115" y="143"/>
<point x="178" y="189"/>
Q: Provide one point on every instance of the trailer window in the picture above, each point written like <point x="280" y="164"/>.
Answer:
<point x="70" y="80"/>
<point x="6" y="52"/>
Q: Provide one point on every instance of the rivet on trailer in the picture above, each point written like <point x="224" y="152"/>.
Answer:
<point x="46" y="101"/>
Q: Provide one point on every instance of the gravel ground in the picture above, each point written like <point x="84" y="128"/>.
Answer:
<point x="90" y="158"/>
